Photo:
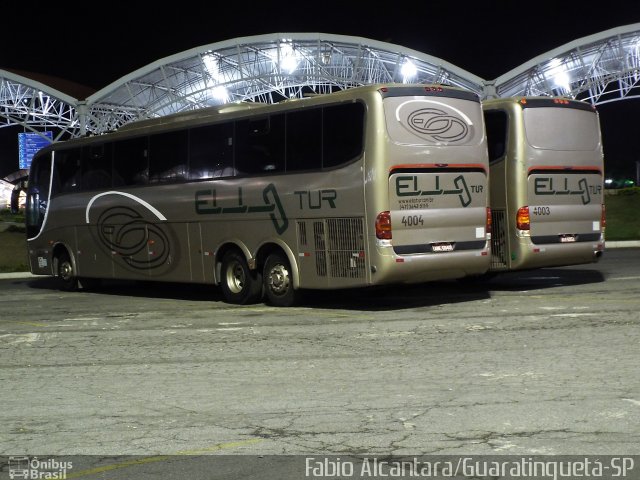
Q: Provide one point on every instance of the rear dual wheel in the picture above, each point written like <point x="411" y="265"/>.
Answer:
<point x="278" y="281"/>
<point x="240" y="285"/>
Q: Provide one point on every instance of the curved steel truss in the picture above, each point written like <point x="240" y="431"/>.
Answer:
<point x="36" y="106"/>
<point x="600" y="68"/>
<point x="266" y="68"/>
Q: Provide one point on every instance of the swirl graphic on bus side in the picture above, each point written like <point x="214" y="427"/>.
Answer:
<point x="438" y="124"/>
<point x="131" y="235"/>
<point x="140" y="244"/>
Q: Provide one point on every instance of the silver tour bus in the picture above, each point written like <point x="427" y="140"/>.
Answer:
<point x="546" y="186"/>
<point x="382" y="184"/>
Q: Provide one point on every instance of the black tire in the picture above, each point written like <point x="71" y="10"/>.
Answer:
<point x="239" y="284"/>
<point x="278" y="281"/>
<point x="66" y="274"/>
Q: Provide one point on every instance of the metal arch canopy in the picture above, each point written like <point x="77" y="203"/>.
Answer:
<point x="600" y="68"/>
<point x="34" y="105"/>
<point x="265" y="68"/>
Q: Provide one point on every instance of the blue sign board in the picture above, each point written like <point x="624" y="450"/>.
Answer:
<point x="29" y="143"/>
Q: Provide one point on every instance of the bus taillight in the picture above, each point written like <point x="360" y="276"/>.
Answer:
<point x="603" y="218"/>
<point x="489" y="221"/>
<point x="523" y="221"/>
<point x="383" y="226"/>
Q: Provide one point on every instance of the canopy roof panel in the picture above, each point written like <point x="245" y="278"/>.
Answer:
<point x="599" y="68"/>
<point x="265" y="68"/>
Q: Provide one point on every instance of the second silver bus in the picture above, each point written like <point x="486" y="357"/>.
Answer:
<point x="546" y="182"/>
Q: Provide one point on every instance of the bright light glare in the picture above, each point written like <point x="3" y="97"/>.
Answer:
<point x="220" y="93"/>
<point x="288" y="58"/>
<point x="559" y="74"/>
<point x="408" y="70"/>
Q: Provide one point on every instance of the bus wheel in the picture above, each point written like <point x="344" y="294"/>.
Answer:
<point x="239" y="284"/>
<point x="66" y="274"/>
<point x="278" y="281"/>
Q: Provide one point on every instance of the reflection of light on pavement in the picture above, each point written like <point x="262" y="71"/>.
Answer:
<point x="22" y="338"/>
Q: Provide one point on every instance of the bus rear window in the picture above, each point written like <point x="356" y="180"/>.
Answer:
<point x="561" y="129"/>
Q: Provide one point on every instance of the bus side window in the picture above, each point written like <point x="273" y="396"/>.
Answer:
<point x="211" y="151"/>
<point x="342" y="134"/>
<point x="67" y="171"/>
<point x="168" y="157"/>
<point x="260" y="145"/>
<point x="304" y="140"/>
<point x="130" y="161"/>
<point x="496" y="126"/>
<point x="96" y="167"/>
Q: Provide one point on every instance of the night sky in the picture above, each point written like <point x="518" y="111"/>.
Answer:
<point x="94" y="44"/>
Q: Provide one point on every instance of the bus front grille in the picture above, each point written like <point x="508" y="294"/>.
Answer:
<point x="498" y="240"/>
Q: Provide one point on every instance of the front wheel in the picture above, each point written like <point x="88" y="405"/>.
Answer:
<point x="239" y="284"/>
<point x="278" y="281"/>
<point x="66" y="273"/>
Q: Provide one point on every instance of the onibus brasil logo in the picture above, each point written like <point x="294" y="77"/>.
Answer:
<point x="35" y="468"/>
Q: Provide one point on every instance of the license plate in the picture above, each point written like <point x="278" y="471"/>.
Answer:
<point x="567" y="238"/>
<point x="442" y="247"/>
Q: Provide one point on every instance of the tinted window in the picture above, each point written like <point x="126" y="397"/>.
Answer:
<point x="130" y="161"/>
<point x="343" y="133"/>
<point x="496" y="127"/>
<point x="96" y="166"/>
<point x="260" y="145"/>
<point x="168" y="157"/>
<point x="304" y="140"/>
<point x="67" y="171"/>
<point x="211" y="151"/>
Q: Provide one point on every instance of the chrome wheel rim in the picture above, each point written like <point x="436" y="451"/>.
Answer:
<point x="278" y="279"/>
<point x="66" y="271"/>
<point x="235" y="277"/>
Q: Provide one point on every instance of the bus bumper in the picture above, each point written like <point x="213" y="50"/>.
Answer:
<point x="389" y="268"/>
<point x="529" y="255"/>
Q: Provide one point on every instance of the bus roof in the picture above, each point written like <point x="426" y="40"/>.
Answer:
<point x="204" y="115"/>
<point x="191" y="115"/>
